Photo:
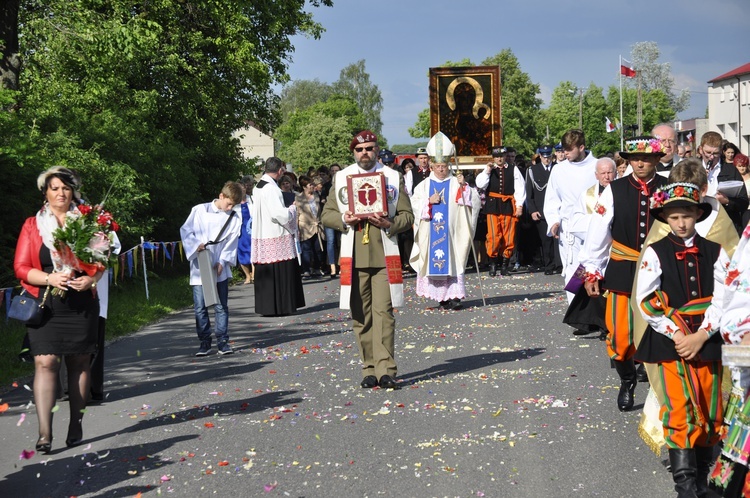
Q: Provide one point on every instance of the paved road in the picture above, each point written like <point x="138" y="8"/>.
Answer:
<point x="499" y="400"/>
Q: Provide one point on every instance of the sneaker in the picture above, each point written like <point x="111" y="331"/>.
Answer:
<point x="204" y="349"/>
<point x="225" y="349"/>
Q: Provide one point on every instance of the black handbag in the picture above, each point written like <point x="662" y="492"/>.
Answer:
<point x="28" y="309"/>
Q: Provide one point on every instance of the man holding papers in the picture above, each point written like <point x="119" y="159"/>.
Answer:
<point x="722" y="178"/>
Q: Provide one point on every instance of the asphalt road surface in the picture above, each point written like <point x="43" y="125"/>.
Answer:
<point x="496" y="400"/>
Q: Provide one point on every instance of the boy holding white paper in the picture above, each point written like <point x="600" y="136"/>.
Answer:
<point x="213" y="230"/>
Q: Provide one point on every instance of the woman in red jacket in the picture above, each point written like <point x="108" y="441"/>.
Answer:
<point x="70" y="320"/>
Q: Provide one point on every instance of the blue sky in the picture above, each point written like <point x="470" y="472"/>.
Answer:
<point x="554" y="41"/>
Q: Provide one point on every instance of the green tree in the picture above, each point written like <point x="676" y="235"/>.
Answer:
<point x="520" y="103"/>
<point x="354" y="83"/>
<point x="301" y="94"/>
<point x="158" y="88"/>
<point x="323" y="140"/>
<point x="562" y="113"/>
<point x="306" y="138"/>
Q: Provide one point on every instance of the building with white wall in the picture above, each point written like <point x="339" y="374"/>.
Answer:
<point x="728" y="108"/>
<point x="254" y="142"/>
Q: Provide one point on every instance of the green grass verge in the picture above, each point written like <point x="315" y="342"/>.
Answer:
<point x="128" y="312"/>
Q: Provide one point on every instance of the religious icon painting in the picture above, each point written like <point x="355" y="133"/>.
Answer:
<point x="367" y="194"/>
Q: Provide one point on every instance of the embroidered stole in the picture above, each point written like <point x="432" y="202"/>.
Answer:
<point x="440" y="252"/>
<point x="390" y="244"/>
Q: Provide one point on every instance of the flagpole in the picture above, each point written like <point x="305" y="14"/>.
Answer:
<point x="622" y="142"/>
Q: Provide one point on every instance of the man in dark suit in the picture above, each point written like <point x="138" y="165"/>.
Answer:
<point x="735" y="201"/>
<point x="537" y="177"/>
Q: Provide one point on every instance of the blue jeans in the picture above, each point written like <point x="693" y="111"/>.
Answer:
<point x="221" y="312"/>
<point x="332" y="237"/>
<point x="312" y="254"/>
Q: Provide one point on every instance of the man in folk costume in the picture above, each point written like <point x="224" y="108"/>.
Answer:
<point x="537" y="178"/>
<point x="505" y="194"/>
<point x="584" y="314"/>
<point x="566" y="182"/>
<point x="614" y="240"/>
<point x="371" y="278"/>
<point x="278" y="282"/>
<point x="445" y="212"/>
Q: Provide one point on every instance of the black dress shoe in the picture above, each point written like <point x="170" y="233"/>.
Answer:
<point x="455" y="304"/>
<point x="549" y="272"/>
<point x="44" y="445"/>
<point x="369" y="382"/>
<point x="72" y="443"/>
<point x="388" y="382"/>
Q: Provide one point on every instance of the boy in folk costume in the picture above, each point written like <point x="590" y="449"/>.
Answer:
<point x="371" y="278"/>
<point x="614" y="240"/>
<point x="675" y="286"/>
<point x="213" y="227"/>
<point x="445" y="211"/>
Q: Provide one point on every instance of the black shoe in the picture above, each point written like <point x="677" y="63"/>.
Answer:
<point x="44" y="445"/>
<point x="96" y="398"/>
<point x="581" y="332"/>
<point x="73" y="442"/>
<point x="369" y="382"/>
<point x="549" y="272"/>
<point x="493" y="269"/>
<point x="640" y="373"/>
<point x="455" y="304"/>
<point x="387" y="382"/>
<point x="505" y="267"/>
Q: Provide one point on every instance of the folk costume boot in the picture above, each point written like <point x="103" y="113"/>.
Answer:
<point x="704" y="458"/>
<point x="505" y="268"/>
<point x="684" y="472"/>
<point x="626" y="396"/>
<point x="493" y="267"/>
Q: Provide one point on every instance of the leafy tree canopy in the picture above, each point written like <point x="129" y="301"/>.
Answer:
<point x="143" y="97"/>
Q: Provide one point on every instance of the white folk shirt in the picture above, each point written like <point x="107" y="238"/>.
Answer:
<point x="566" y="183"/>
<point x="649" y="280"/>
<point x="519" y="183"/>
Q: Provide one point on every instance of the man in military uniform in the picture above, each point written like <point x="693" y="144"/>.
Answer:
<point x="371" y="279"/>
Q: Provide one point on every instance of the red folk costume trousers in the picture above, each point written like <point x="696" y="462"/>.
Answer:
<point x="501" y="230"/>
<point x="692" y="414"/>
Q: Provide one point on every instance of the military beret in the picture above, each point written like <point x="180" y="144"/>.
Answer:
<point x="362" y="137"/>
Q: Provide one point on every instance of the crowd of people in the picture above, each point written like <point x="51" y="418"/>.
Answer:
<point x="651" y="246"/>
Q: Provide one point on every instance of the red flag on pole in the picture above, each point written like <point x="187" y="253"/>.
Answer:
<point x="610" y="125"/>
<point x="690" y="136"/>
<point x="626" y="69"/>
